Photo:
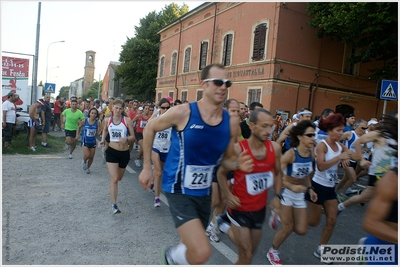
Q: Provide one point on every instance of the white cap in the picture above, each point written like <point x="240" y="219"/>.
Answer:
<point x="372" y="122"/>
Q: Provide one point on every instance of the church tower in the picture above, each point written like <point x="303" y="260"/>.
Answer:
<point x="88" y="78"/>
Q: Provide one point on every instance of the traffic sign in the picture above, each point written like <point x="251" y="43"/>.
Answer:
<point x="49" y="88"/>
<point x="389" y="90"/>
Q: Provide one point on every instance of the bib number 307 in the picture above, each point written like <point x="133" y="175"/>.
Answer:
<point x="257" y="183"/>
<point x="198" y="177"/>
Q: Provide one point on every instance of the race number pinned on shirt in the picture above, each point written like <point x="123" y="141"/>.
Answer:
<point x="115" y="135"/>
<point x="257" y="183"/>
<point x="198" y="177"/>
<point x="331" y="175"/>
<point x="91" y="132"/>
<point x="142" y="124"/>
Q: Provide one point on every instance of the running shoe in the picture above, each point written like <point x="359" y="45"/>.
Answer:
<point x="138" y="163"/>
<point x="274" y="220"/>
<point x="214" y="235"/>
<point x="273" y="257"/>
<point x="88" y="170"/>
<point x="221" y="223"/>
<point x="46" y="145"/>
<point x="66" y="147"/>
<point x="33" y="149"/>
<point x="157" y="202"/>
<point x="84" y="165"/>
<point x="209" y="229"/>
<point x="317" y="253"/>
<point x="340" y="197"/>
<point x="70" y="156"/>
<point x="151" y="189"/>
<point x="165" y="257"/>
<point x="115" y="209"/>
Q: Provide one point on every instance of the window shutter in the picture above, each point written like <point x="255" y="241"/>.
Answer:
<point x="187" y="59"/>
<point x="226" y="54"/>
<point x="184" y="96"/>
<point x="203" y="55"/>
<point x="199" y="95"/>
<point x="162" y="66"/>
<point x="259" y="42"/>
<point x="173" y="65"/>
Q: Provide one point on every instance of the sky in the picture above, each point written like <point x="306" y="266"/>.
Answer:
<point x="101" y="26"/>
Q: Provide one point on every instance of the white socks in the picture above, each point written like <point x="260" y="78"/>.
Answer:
<point x="341" y="207"/>
<point x="179" y="254"/>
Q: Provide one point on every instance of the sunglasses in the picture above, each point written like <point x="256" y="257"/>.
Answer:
<point x="310" y="135"/>
<point x="219" y="82"/>
<point x="164" y="107"/>
<point x="364" y="128"/>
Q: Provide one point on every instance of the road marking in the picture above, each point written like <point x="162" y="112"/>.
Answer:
<point x="129" y="169"/>
<point x="220" y="246"/>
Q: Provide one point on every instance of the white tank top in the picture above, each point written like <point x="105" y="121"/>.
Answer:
<point x="162" y="140"/>
<point x="328" y="177"/>
<point x="117" y="131"/>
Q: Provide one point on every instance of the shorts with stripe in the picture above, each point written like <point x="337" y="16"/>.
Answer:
<point x="248" y="219"/>
<point x="292" y="199"/>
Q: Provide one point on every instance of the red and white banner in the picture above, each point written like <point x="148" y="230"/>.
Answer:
<point x="15" y="76"/>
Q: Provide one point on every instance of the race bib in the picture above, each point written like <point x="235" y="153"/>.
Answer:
<point x="198" y="177"/>
<point x="142" y="124"/>
<point x="301" y="170"/>
<point x="331" y="175"/>
<point x="91" y="132"/>
<point x="162" y="135"/>
<point x="115" y="135"/>
<point x="257" y="183"/>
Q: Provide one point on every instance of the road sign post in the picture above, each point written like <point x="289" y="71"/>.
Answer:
<point x="388" y="90"/>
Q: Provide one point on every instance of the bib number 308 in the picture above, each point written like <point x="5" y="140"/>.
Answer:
<point x="198" y="177"/>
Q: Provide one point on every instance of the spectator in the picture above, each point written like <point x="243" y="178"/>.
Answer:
<point x="58" y="107"/>
<point x="177" y="102"/>
<point x="350" y="120"/>
<point x="9" y="119"/>
<point x="34" y="123"/>
<point x="46" y="120"/>
<point x="244" y="125"/>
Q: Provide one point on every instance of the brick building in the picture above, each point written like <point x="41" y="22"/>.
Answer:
<point x="272" y="56"/>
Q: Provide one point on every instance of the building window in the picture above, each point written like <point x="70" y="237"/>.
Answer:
<point x="159" y="96"/>
<point x="184" y="96"/>
<point x="171" y="94"/>
<point x="203" y="55"/>
<point x="254" y="96"/>
<point x="348" y="66"/>
<point x="173" y="63"/>
<point x="162" y="61"/>
<point x="227" y="50"/>
<point x="260" y="35"/>
<point x="199" y="95"/>
<point x="186" y="64"/>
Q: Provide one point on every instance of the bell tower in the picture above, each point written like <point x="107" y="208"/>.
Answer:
<point x="88" y="78"/>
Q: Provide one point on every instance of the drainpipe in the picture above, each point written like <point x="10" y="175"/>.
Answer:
<point x="212" y="42"/>
<point x="177" y="59"/>
<point x="317" y="74"/>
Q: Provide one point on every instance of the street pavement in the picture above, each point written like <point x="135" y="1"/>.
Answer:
<point x="296" y="250"/>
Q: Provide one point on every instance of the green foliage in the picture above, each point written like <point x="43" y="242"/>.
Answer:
<point x="64" y="92"/>
<point x="139" y="55"/>
<point x="372" y="28"/>
<point x="93" y="90"/>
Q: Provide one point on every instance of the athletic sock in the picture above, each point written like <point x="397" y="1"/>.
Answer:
<point x="178" y="254"/>
<point x="224" y="227"/>
<point x="341" y="207"/>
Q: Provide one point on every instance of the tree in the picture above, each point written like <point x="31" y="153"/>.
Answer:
<point x="93" y="90"/>
<point x="371" y="27"/>
<point x="64" y="92"/>
<point x="139" y="55"/>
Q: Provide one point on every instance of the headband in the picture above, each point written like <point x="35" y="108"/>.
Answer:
<point x="305" y="112"/>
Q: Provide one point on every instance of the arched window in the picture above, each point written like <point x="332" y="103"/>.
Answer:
<point x="162" y="61"/>
<point x="186" y="64"/>
<point x="173" y="63"/>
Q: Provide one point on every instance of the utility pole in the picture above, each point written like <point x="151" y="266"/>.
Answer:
<point x="36" y="59"/>
<point x="98" y="92"/>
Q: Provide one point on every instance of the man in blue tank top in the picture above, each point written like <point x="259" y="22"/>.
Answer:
<point x="199" y="143"/>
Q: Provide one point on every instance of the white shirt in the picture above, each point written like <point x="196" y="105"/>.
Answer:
<point x="11" y="113"/>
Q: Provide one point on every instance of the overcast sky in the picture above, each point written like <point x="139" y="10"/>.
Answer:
<point x="101" y="26"/>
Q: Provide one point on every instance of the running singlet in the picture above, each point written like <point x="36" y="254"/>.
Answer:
<point x="194" y="153"/>
<point x="141" y="123"/>
<point x="329" y="176"/>
<point x="89" y="132"/>
<point x="301" y="167"/>
<point x="350" y="143"/>
<point x="382" y="159"/>
<point x="117" y="131"/>
<point x="162" y="140"/>
<point x="251" y="188"/>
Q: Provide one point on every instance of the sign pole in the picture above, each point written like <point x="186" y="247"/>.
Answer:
<point x="384" y="107"/>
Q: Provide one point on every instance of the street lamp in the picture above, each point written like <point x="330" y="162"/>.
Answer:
<point x="47" y="63"/>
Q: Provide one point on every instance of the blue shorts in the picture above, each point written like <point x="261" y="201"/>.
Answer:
<point x="34" y="123"/>
<point x="163" y="156"/>
<point x="88" y="145"/>
<point x="372" y="240"/>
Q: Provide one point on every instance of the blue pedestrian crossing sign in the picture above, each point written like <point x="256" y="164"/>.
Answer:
<point x="389" y="90"/>
<point x="49" y="88"/>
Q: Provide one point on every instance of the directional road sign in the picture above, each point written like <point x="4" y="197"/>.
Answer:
<point x="389" y="90"/>
<point x="49" y="88"/>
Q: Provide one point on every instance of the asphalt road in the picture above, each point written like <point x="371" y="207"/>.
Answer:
<point x="55" y="213"/>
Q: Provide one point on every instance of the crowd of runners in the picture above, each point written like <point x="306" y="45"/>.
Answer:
<point x="215" y="160"/>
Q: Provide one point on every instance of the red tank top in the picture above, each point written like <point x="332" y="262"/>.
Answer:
<point x="252" y="188"/>
<point x="141" y="123"/>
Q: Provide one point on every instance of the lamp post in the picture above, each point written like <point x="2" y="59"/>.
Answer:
<point x="47" y="63"/>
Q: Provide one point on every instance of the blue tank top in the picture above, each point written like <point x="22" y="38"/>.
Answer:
<point x="89" y="132"/>
<point x="193" y="155"/>
<point x="350" y="143"/>
<point x="301" y="167"/>
<point x="320" y="135"/>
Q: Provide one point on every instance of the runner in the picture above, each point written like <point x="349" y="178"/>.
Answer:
<point x="329" y="154"/>
<point x="298" y="165"/>
<point x="141" y="122"/>
<point x="34" y="123"/>
<point x="350" y="175"/>
<point x="162" y="142"/>
<point x="72" y="117"/>
<point x="248" y="199"/>
<point x="90" y="129"/>
<point x="186" y="178"/>
<point x="117" y="153"/>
